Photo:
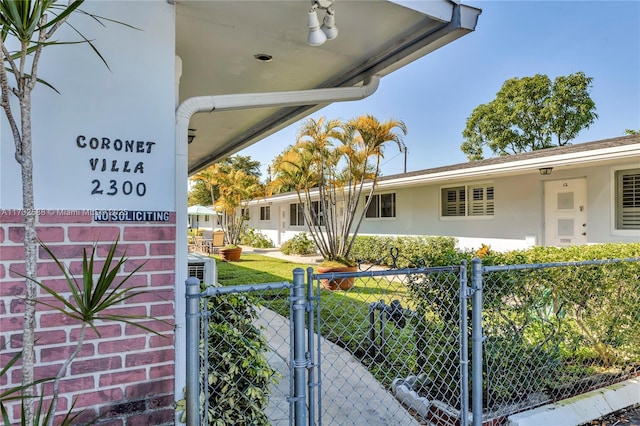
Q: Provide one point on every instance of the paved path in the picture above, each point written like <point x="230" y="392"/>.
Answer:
<point x="350" y="394"/>
<point x="311" y="260"/>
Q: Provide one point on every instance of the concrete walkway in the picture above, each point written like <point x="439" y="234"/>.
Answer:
<point x="350" y="394"/>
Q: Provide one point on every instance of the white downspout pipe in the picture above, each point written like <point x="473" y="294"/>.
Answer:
<point x="184" y="113"/>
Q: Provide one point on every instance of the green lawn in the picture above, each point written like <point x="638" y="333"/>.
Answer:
<point x="344" y="314"/>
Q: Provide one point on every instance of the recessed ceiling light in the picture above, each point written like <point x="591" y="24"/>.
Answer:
<point x="263" y="57"/>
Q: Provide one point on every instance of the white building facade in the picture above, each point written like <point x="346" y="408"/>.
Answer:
<point x="591" y="194"/>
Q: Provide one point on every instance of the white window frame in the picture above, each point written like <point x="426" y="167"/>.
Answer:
<point x="316" y="209"/>
<point x="265" y="213"/>
<point x="486" y="204"/>
<point x="614" y="203"/>
<point x="297" y="215"/>
<point x="378" y="216"/>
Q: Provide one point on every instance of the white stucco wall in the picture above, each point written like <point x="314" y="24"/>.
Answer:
<point x="134" y="100"/>
<point x="518" y="221"/>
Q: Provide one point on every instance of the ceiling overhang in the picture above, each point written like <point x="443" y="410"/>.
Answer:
<point x="217" y="42"/>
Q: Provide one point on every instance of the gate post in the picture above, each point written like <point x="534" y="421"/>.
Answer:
<point x="476" y="341"/>
<point x="192" y="343"/>
<point x="300" y="360"/>
<point x="464" y="345"/>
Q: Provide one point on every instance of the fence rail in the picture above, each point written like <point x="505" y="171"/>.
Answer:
<point x="445" y="345"/>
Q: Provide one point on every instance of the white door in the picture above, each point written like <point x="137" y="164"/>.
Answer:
<point x="565" y="212"/>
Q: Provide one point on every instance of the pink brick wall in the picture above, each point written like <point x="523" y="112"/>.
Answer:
<point x="126" y="375"/>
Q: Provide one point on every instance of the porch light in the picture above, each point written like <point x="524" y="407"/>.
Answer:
<point x="191" y="136"/>
<point x="317" y="34"/>
<point x="329" y="25"/>
<point x="544" y="171"/>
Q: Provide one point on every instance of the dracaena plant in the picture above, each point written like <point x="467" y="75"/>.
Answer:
<point x="43" y="413"/>
<point x="92" y="296"/>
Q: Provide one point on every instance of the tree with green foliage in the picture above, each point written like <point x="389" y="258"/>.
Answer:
<point x="199" y="194"/>
<point x="205" y="190"/>
<point x="530" y="113"/>
<point x="244" y="163"/>
<point x="631" y="132"/>
<point x="235" y="188"/>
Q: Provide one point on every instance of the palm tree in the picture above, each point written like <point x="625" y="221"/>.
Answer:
<point x="328" y="167"/>
<point x="236" y="189"/>
<point x="207" y="177"/>
<point x="374" y="136"/>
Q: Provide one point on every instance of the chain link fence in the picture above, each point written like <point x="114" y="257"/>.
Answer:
<point x="557" y="330"/>
<point x="404" y="326"/>
<point x="398" y="346"/>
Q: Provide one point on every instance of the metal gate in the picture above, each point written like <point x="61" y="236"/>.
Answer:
<point x="241" y="367"/>
<point x="391" y="341"/>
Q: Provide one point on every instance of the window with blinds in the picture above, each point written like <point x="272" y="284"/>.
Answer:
<point x="467" y="200"/>
<point x="628" y="199"/>
<point x="454" y="201"/>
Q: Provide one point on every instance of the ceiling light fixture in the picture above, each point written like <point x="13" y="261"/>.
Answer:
<point x="317" y="34"/>
<point x="544" y="171"/>
<point x="329" y="24"/>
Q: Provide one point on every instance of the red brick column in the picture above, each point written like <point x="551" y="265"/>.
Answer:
<point x="125" y="374"/>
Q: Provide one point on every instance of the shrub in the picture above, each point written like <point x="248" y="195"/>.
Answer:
<point x="251" y="237"/>
<point x="545" y="327"/>
<point x="300" y="244"/>
<point x="239" y="375"/>
<point x="194" y="232"/>
<point x="412" y="251"/>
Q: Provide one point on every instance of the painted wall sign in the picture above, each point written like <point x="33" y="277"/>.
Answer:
<point x="130" y="216"/>
<point x="128" y="179"/>
<point x="110" y="144"/>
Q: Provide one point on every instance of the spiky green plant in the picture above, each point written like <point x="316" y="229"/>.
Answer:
<point x="41" y="415"/>
<point x="92" y="298"/>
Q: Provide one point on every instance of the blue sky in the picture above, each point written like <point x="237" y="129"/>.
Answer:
<point x="435" y="94"/>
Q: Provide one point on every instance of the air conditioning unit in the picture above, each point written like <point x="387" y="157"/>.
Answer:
<point x="203" y="268"/>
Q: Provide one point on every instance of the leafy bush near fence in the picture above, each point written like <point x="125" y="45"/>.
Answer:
<point x="239" y="375"/>
<point x="597" y="302"/>
<point x="299" y="244"/>
<point x="552" y="330"/>
<point x="252" y="238"/>
<point x="412" y="251"/>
